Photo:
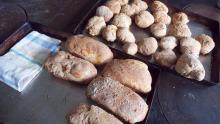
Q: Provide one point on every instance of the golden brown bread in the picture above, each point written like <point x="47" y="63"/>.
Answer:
<point x="86" y="114"/>
<point x="207" y="43"/>
<point x="95" y="25"/>
<point x="180" y="30"/>
<point x="131" y="73"/>
<point x="189" y="66"/>
<point x="117" y="98"/>
<point x="64" y="65"/>
<point x="158" y="6"/>
<point x="147" y="46"/>
<point x="89" y="49"/>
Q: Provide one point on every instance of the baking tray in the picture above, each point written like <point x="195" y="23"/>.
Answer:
<point x="48" y="99"/>
<point x="197" y="24"/>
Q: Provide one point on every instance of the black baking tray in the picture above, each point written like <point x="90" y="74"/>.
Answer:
<point x="198" y="24"/>
<point x="73" y="93"/>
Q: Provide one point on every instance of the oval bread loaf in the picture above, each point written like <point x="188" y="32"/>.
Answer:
<point x="86" y="114"/>
<point x="89" y="49"/>
<point x="131" y="73"/>
<point x="64" y="65"/>
<point x="117" y="98"/>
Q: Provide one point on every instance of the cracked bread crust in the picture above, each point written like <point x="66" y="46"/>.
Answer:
<point x="65" y="66"/>
<point x="117" y="98"/>
<point x="89" y="49"/>
<point x="131" y="73"/>
<point x="86" y="114"/>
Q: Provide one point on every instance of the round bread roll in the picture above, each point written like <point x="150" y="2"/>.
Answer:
<point x="65" y="66"/>
<point x="121" y="20"/>
<point x="190" y="67"/>
<point x="136" y="8"/>
<point x="89" y="49"/>
<point x="105" y="12"/>
<point x="95" y="25"/>
<point x="128" y="10"/>
<point x="109" y="33"/>
<point x="122" y="2"/>
<point x="168" y="42"/>
<point x="180" y="18"/>
<point x="130" y="48"/>
<point x="206" y="42"/>
<point x="162" y="17"/>
<point x="180" y="30"/>
<point x="158" y="6"/>
<point x="165" y="58"/>
<point x="125" y="35"/>
<point x="158" y="29"/>
<point x="142" y="5"/>
<point x="114" y="6"/>
<point x="131" y="73"/>
<point x="144" y="19"/>
<point x="147" y="46"/>
<point x="190" y="46"/>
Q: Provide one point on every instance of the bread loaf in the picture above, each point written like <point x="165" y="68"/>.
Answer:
<point x="117" y="98"/>
<point x="131" y="73"/>
<point x="64" y="65"/>
<point x="89" y="49"/>
<point x="86" y="114"/>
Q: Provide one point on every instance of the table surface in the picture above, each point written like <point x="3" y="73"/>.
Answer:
<point x="57" y="14"/>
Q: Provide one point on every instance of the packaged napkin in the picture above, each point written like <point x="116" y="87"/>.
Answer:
<point x="24" y="60"/>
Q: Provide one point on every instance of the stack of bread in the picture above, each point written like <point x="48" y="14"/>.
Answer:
<point x="116" y="88"/>
<point x="113" y="21"/>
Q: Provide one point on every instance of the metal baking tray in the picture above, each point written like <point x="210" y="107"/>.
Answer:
<point x="48" y="99"/>
<point x="197" y="24"/>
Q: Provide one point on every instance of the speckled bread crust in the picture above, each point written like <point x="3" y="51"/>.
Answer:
<point x="190" y="46"/>
<point x="131" y="73"/>
<point x="165" y="58"/>
<point x="117" y="98"/>
<point x="144" y="19"/>
<point x="162" y="17"/>
<point x="180" y="18"/>
<point x="114" y="6"/>
<point x="190" y="67"/>
<point x="180" y="30"/>
<point x="159" y="6"/>
<point x="109" y="33"/>
<point x="147" y="46"/>
<point x="64" y="65"/>
<point x="158" y="30"/>
<point x="105" y="12"/>
<point x="142" y="5"/>
<point x="168" y="42"/>
<point x="86" y="114"/>
<point x="95" y="25"/>
<point x="207" y="43"/>
<point x="122" y="2"/>
<point x="124" y="35"/>
<point x="130" y="48"/>
<point x="89" y="49"/>
<point x="128" y="10"/>
<point x="121" y="20"/>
